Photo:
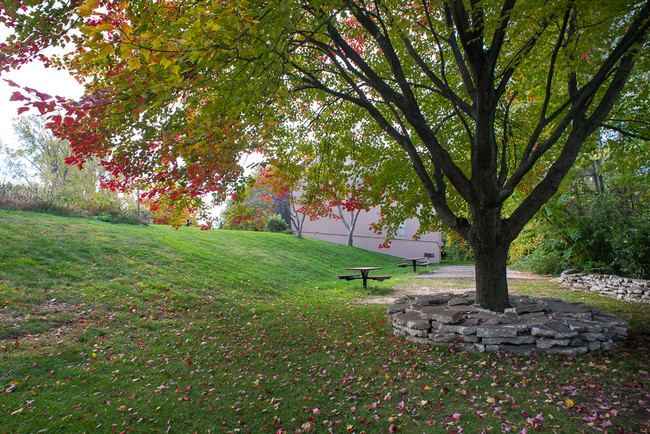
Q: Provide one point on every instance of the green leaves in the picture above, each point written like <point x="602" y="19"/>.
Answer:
<point x="473" y="112"/>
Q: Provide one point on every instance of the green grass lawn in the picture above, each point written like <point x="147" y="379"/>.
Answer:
<point x="118" y="328"/>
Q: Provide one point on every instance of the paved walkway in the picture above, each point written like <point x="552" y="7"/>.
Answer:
<point x="467" y="272"/>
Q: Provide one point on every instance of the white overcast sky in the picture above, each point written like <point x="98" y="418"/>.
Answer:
<point x="34" y="75"/>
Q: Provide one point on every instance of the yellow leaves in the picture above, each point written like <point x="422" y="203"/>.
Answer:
<point x="87" y="9"/>
<point x="165" y="62"/>
<point x="569" y="402"/>
<point x="125" y="51"/>
<point x="126" y="30"/>
<point x="106" y="50"/>
<point x="134" y="63"/>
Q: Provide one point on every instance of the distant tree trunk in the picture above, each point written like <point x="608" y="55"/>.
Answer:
<point x="297" y="220"/>
<point x="354" y="215"/>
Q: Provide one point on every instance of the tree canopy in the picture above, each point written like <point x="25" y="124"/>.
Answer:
<point x="477" y="109"/>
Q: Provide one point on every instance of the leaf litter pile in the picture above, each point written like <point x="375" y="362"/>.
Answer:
<point x="294" y="364"/>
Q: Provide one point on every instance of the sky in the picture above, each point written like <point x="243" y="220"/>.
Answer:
<point x="34" y="75"/>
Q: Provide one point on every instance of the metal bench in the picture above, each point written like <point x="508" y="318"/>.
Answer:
<point x="379" y="278"/>
<point x="349" y="276"/>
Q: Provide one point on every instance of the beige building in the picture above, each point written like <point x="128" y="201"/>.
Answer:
<point x="403" y="246"/>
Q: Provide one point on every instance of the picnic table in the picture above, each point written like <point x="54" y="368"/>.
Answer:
<point x="365" y="271"/>
<point x="414" y="262"/>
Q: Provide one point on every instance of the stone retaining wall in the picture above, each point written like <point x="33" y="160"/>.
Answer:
<point x="613" y="286"/>
<point x="532" y="325"/>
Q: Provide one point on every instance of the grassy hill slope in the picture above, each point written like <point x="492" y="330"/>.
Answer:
<point x="59" y="251"/>
<point x="118" y="328"/>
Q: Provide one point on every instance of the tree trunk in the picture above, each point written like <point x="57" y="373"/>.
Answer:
<point x="491" y="279"/>
<point x="490" y="245"/>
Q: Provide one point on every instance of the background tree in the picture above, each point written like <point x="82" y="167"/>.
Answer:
<point x="476" y="108"/>
<point x="250" y="208"/>
<point x="168" y="214"/>
<point x="283" y="185"/>
<point x="600" y="221"/>
<point x="39" y="161"/>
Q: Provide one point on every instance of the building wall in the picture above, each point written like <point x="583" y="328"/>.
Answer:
<point x="402" y="246"/>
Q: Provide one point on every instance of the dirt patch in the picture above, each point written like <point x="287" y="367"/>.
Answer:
<point x="421" y="286"/>
<point x="455" y="279"/>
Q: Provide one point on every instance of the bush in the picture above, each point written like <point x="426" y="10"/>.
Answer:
<point x="455" y="248"/>
<point x="276" y="223"/>
<point x="596" y="232"/>
<point x="104" y="208"/>
<point x="97" y="205"/>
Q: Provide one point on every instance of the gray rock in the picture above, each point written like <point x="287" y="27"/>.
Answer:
<point x="534" y="318"/>
<point x="403" y="318"/>
<point x="593" y="346"/>
<point x="592" y="326"/>
<point x="420" y="324"/>
<point x="442" y="337"/>
<point x="541" y="331"/>
<point x="441" y="314"/>
<point x="607" y="345"/>
<point x="505" y="331"/>
<point x="526" y="308"/>
<point x="568" y="351"/>
<point x="562" y="328"/>
<point x="396" y="308"/>
<point x="592" y="337"/>
<point x="462" y="300"/>
<point x="432" y="299"/>
<point x="576" y="326"/>
<point x="577" y="342"/>
<point x="485" y="318"/>
<point x="469" y="338"/>
<point x="560" y="331"/>
<point x="549" y="343"/>
<point x="523" y="350"/>
<point x="611" y="320"/>
<point x="519" y="340"/>
<point x="510" y="318"/>
<point x="417" y="333"/>
<point x="493" y="341"/>
<point x="462" y="308"/>
<point x="470" y="348"/>
<point x="462" y="329"/>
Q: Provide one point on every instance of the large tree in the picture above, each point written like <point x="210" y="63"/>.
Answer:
<point x="476" y="109"/>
